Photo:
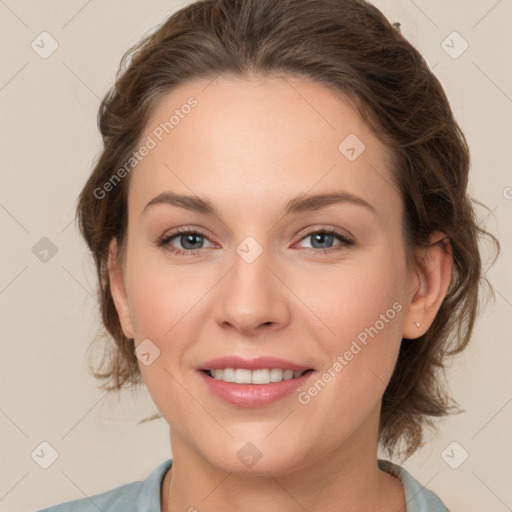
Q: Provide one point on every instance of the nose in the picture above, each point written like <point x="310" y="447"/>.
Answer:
<point x="253" y="298"/>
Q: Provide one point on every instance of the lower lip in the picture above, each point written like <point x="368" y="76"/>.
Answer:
<point x="254" y="395"/>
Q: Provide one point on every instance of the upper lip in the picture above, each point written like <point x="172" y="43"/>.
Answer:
<point x="252" y="364"/>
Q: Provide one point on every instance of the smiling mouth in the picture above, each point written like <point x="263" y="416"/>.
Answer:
<point x="259" y="376"/>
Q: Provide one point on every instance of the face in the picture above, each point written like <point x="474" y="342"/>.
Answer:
<point x="289" y="246"/>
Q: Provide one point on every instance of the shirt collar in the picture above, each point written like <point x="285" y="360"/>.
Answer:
<point x="148" y="499"/>
<point x="417" y="497"/>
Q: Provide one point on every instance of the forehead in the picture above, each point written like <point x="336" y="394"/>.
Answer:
<point x="257" y="138"/>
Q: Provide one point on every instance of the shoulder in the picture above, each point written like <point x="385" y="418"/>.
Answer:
<point x="120" y="498"/>
<point x="140" y="496"/>
<point x="417" y="496"/>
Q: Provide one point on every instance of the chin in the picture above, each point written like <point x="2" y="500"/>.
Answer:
<point x="256" y="458"/>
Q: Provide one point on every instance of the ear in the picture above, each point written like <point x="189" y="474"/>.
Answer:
<point x="118" y="289"/>
<point x="428" y="282"/>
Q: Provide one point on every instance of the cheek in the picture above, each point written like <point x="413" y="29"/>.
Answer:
<point x="164" y="302"/>
<point x="351" y="298"/>
<point x="364" y="312"/>
<point x="158" y="294"/>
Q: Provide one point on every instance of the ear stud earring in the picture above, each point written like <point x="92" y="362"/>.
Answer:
<point x="418" y="325"/>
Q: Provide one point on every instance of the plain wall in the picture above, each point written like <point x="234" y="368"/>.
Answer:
<point x="48" y="144"/>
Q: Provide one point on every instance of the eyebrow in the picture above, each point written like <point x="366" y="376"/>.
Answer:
<point x="299" y="204"/>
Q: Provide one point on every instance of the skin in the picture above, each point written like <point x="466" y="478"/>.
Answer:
<point x="250" y="146"/>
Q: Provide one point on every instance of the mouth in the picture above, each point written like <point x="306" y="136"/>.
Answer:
<point x="259" y="376"/>
<point x="253" y="382"/>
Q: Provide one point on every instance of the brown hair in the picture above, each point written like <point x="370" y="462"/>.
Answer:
<point x="350" y="47"/>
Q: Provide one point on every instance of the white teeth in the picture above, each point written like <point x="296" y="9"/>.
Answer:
<point x="263" y="376"/>
<point x="288" y="374"/>
<point x="243" y="376"/>
<point x="276" y="375"/>
<point x="260" y="376"/>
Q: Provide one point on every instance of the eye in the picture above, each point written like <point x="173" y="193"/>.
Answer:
<point x="322" y="240"/>
<point x="191" y="242"/>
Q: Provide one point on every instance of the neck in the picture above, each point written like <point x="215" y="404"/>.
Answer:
<point x="348" y="480"/>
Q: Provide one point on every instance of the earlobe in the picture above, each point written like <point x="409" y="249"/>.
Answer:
<point x="429" y="282"/>
<point x="118" y="289"/>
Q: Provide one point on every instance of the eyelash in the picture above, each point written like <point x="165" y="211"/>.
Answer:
<point x="164" y="242"/>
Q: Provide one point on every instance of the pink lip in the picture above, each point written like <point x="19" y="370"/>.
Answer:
<point x="253" y="395"/>
<point x="252" y="364"/>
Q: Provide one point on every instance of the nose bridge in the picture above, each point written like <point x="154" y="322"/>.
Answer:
<point x="251" y="295"/>
<point x="250" y="263"/>
<point x="250" y="279"/>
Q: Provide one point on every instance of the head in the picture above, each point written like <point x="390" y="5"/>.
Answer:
<point x="254" y="110"/>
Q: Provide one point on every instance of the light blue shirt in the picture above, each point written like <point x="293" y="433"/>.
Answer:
<point x="145" y="496"/>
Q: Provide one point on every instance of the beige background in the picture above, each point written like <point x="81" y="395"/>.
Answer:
<point x="49" y="142"/>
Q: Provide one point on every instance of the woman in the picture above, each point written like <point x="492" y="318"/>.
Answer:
<point x="286" y="255"/>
